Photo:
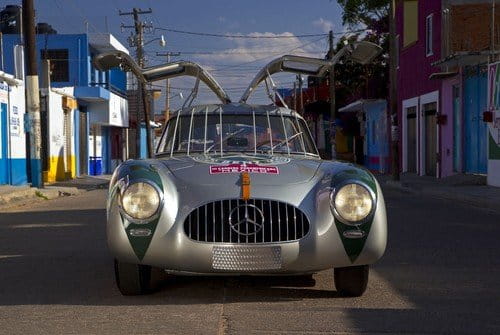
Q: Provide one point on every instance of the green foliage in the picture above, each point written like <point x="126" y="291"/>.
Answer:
<point x="365" y="12"/>
<point x="353" y="80"/>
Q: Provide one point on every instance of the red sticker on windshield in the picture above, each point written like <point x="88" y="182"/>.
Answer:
<point x="238" y="168"/>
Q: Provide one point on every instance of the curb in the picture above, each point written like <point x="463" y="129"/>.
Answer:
<point x="22" y="195"/>
<point x="445" y="195"/>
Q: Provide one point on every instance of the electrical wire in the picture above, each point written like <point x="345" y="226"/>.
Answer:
<point x="271" y="55"/>
<point x="237" y="35"/>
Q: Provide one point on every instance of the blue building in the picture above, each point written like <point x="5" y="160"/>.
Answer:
<point x="372" y="142"/>
<point x="98" y="119"/>
<point x="13" y="164"/>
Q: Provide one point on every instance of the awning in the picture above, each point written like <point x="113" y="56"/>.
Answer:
<point x="466" y="58"/>
<point x="358" y="105"/>
<point x="105" y="43"/>
<point x="443" y="75"/>
<point x="92" y="94"/>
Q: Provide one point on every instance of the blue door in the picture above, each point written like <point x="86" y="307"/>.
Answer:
<point x="475" y="92"/>
<point x="4" y="165"/>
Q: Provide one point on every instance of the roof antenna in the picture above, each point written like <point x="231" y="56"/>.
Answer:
<point x="275" y="91"/>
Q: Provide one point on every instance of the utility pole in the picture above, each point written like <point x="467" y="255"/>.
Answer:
<point x="32" y="93"/>
<point x="137" y="40"/>
<point x="301" y="98"/>
<point x="332" y="97"/>
<point x="295" y="95"/>
<point x="167" y="83"/>
<point x="393" y="92"/>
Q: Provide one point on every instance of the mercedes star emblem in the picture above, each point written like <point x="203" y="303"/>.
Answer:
<point x="246" y="220"/>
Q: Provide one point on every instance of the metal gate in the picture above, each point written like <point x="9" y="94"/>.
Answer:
<point x="4" y="145"/>
<point x="83" y="142"/>
<point x="457" y="130"/>
<point x="429" y="113"/>
<point x="475" y="91"/>
<point x="67" y="131"/>
<point x="411" y="131"/>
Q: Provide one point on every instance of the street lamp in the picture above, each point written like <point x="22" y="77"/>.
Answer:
<point x="361" y="52"/>
<point x="162" y="42"/>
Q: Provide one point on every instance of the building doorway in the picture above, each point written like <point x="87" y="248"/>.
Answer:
<point x="4" y="145"/>
<point x="475" y="89"/>
<point x="457" y="129"/>
<point x="411" y="131"/>
<point x="83" y="142"/>
<point x="429" y="112"/>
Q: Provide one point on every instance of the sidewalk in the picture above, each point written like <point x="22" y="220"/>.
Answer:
<point x="469" y="189"/>
<point x="11" y="196"/>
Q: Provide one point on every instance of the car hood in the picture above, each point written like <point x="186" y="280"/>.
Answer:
<point x="265" y="170"/>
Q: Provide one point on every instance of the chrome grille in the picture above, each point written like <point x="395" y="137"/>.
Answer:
<point x="240" y="221"/>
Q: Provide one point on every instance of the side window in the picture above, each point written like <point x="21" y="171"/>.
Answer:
<point x="59" y="67"/>
<point x="428" y="35"/>
<point x="410" y="22"/>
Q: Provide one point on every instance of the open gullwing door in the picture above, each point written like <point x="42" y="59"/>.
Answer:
<point x="288" y="63"/>
<point x="107" y="60"/>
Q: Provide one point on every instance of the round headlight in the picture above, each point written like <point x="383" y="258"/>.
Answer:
<point x="353" y="203"/>
<point x="140" y="200"/>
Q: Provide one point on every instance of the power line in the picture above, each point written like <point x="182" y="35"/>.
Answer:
<point x="253" y="36"/>
<point x="271" y="55"/>
<point x="237" y="35"/>
<point x="234" y="53"/>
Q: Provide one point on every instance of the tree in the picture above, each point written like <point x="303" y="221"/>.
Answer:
<point x="356" y="81"/>
<point x="369" y="13"/>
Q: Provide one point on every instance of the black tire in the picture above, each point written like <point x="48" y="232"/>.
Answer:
<point x="132" y="279"/>
<point x="351" y="281"/>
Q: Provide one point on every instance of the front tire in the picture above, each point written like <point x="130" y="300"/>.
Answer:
<point x="351" y="281"/>
<point x="132" y="279"/>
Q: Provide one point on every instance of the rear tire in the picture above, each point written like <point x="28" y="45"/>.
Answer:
<point x="132" y="279"/>
<point x="351" y="281"/>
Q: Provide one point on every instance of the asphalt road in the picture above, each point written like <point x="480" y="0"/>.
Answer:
<point x="440" y="275"/>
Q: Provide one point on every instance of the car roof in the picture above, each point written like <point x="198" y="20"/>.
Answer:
<point x="238" y="108"/>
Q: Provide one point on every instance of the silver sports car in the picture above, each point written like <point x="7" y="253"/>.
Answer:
<point x="239" y="189"/>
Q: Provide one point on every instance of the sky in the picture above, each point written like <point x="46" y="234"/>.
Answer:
<point x="232" y="61"/>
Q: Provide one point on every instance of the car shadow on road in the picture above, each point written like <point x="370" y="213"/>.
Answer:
<point x="61" y="257"/>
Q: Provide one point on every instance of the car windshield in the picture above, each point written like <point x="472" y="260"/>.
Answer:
<point x="249" y="133"/>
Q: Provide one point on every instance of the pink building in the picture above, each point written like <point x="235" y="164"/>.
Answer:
<point x="444" y="49"/>
<point x="418" y="26"/>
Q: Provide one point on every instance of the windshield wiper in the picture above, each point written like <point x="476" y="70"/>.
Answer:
<point x="231" y="135"/>
<point x="286" y="140"/>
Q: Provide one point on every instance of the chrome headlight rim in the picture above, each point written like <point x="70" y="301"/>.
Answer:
<point x="155" y="215"/>
<point x="339" y="217"/>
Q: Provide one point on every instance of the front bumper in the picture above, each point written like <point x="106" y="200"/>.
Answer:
<point x="171" y="249"/>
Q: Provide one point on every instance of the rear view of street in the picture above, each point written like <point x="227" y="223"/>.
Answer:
<point x="439" y="275"/>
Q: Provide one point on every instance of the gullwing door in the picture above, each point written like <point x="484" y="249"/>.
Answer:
<point x="288" y="63"/>
<point x="108" y="60"/>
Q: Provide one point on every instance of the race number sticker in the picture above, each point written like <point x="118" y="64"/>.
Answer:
<point x="238" y="168"/>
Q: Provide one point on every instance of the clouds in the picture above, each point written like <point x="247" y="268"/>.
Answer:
<point x="235" y="65"/>
<point x="323" y="24"/>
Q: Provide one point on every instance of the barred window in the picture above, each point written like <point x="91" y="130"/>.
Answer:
<point x="59" y="65"/>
